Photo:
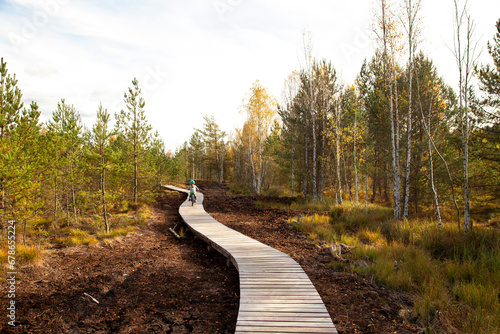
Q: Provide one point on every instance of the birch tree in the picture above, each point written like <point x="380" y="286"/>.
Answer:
<point x="261" y="112"/>
<point x="308" y="76"/>
<point x="196" y="153"/>
<point x="464" y="51"/>
<point x="388" y="36"/>
<point x="350" y="100"/>
<point x="290" y="119"/>
<point x="410" y="24"/>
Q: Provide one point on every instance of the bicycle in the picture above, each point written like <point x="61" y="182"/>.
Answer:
<point x="192" y="198"/>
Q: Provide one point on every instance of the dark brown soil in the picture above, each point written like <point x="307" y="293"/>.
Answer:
<point x="148" y="282"/>
<point x="151" y="282"/>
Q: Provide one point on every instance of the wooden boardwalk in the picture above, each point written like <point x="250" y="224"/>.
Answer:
<point x="276" y="296"/>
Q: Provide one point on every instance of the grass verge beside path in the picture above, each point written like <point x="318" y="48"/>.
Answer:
<point x="42" y="234"/>
<point x="455" y="277"/>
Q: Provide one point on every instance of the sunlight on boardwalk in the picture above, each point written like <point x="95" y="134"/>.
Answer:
<point x="276" y="296"/>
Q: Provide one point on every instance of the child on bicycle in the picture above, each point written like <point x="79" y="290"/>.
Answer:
<point x="193" y="189"/>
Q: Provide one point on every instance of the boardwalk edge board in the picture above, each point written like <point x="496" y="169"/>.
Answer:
<point x="276" y="295"/>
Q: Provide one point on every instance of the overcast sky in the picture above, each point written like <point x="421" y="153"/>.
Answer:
<point x="194" y="58"/>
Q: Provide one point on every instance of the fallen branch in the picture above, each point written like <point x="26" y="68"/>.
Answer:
<point x="175" y="233"/>
<point x="336" y="251"/>
<point x="93" y="299"/>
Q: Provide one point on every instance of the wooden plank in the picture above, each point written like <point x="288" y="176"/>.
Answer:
<point x="279" y="315"/>
<point x="247" y="319"/>
<point x="291" y="323"/>
<point x="283" y="329"/>
<point x="313" y="308"/>
<point x="247" y="293"/>
<point x="277" y="296"/>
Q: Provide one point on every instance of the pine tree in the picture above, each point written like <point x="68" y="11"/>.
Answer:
<point x="101" y="137"/>
<point x="19" y="163"/>
<point x="489" y="77"/>
<point x="134" y="128"/>
<point x="10" y="106"/>
<point x="488" y="147"/>
<point x="65" y="130"/>
<point x="213" y="138"/>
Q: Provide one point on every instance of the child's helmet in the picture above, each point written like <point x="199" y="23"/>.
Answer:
<point x="191" y="182"/>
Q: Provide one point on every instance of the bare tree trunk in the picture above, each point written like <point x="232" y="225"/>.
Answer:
<point x="366" y="180"/>
<point x="395" y="169"/>
<point x="313" y="117"/>
<point x="408" y="141"/>
<point x="347" y="185"/>
<point x="451" y="183"/>
<point x="2" y="194"/>
<point x="103" y="194"/>
<point x="431" y="163"/>
<point x="322" y="163"/>
<point x="374" y="179"/>
<point x="260" y="170"/>
<point x="55" y="196"/>
<point x="427" y="128"/>
<point x="67" y="208"/>
<point x="221" y="179"/>
<point x="398" y="159"/>
<point x="394" y="125"/>
<point x="293" y="167"/>
<point x="314" y="176"/>
<point x="306" y="158"/>
<point x="73" y="196"/>
<point x="433" y="188"/>
<point x="466" y="131"/>
<point x="411" y="12"/>
<point x="355" y="162"/>
<point x="192" y="168"/>
<point x="252" y="165"/>
<point x="337" y="145"/>
<point x="74" y="201"/>
<point x="136" y="163"/>
<point x="465" y="62"/>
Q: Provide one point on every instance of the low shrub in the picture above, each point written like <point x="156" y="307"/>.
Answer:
<point x="27" y="254"/>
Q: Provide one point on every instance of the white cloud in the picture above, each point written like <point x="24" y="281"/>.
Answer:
<point x="192" y="58"/>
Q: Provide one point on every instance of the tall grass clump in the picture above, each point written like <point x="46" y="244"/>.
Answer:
<point x="316" y="226"/>
<point x="119" y="232"/>
<point x="77" y="237"/>
<point x="27" y="254"/>
<point x="454" y="277"/>
<point x="355" y="218"/>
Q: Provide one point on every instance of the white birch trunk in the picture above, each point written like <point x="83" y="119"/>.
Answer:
<point x="314" y="176"/>
<point x="394" y="133"/>
<point x="337" y="146"/>
<point x="412" y="12"/>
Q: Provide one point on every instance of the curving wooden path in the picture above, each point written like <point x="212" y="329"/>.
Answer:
<point x="276" y="296"/>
